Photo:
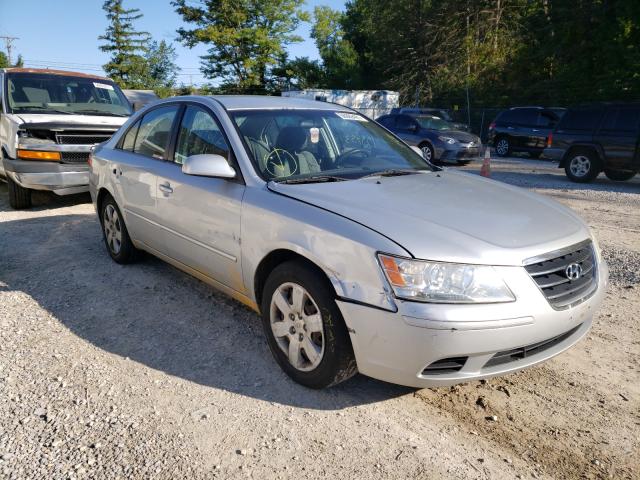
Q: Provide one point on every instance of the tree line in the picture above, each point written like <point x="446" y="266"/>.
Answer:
<point x="492" y="52"/>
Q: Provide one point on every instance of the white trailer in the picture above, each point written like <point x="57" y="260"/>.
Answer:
<point x="372" y="103"/>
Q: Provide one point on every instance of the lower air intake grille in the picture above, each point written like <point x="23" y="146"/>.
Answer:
<point x="566" y="277"/>
<point x="519" y="353"/>
<point x="75" y="157"/>
<point x="446" y="365"/>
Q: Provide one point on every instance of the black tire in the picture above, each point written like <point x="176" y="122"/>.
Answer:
<point x="126" y="253"/>
<point x="337" y="362"/>
<point x="428" y="153"/>
<point x="619" y="175"/>
<point x="582" y="165"/>
<point x="19" y="197"/>
<point x="535" y="155"/>
<point x="502" y="146"/>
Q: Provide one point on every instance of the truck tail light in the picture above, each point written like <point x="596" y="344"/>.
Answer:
<point x="39" y="155"/>
<point x="549" y="140"/>
<point x="492" y="126"/>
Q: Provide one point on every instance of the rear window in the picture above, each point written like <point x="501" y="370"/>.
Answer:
<point x="581" y="119"/>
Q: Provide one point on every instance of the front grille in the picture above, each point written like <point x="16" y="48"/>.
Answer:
<point x="519" y="353"/>
<point x="75" y="157"/>
<point x="550" y="273"/>
<point x="446" y="365"/>
<point x="69" y="139"/>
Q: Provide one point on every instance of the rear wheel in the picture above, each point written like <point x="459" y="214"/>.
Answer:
<point x="503" y="146"/>
<point x="19" y="197"/>
<point x="304" y="327"/>
<point x="582" y="166"/>
<point x="114" y="231"/>
<point x="619" y="175"/>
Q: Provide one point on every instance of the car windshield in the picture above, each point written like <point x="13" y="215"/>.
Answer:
<point x="43" y="93"/>
<point x="432" y="123"/>
<point x="332" y="145"/>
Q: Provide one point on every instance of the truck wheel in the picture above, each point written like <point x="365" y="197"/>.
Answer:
<point x="503" y="146"/>
<point x="582" y="166"/>
<point x="304" y="328"/>
<point x="115" y="234"/>
<point x="19" y="197"/>
<point x="619" y="175"/>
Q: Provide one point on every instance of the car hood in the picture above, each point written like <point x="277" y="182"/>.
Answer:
<point x="463" y="137"/>
<point x="449" y="216"/>
<point x="44" y="119"/>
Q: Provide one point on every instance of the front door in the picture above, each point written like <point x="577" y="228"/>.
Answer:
<point x="200" y="216"/>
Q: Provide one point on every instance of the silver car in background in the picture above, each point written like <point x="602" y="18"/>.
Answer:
<point x="323" y="222"/>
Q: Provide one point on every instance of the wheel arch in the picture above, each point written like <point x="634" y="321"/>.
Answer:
<point x="278" y="257"/>
<point x="595" y="148"/>
<point x="103" y="194"/>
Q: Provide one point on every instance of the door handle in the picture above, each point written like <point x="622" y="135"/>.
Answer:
<point x="166" y="188"/>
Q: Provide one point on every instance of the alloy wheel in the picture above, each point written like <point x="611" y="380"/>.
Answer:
<point x="296" y="324"/>
<point x="502" y="147"/>
<point x="580" y="165"/>
<point x="426" y="153"/>
<point x="112" y="229"/>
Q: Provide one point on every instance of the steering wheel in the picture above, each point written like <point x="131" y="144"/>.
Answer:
<point x="341" y="159"/>
<point x="277" y="160"/>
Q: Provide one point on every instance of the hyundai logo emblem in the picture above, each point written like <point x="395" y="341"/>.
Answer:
<point x="573" y="271"/>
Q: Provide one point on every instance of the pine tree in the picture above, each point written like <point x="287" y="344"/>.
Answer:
<point x="127" y="65"/>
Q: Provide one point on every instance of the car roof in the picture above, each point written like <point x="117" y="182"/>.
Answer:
<point x="262" y="102"/>
<point x="47" y="71"/>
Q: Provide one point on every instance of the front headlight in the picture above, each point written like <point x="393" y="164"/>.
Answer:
<point x="439" y="282"/>
<point x="448" y="140"/>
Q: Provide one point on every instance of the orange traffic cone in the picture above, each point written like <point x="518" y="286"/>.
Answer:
<point x="485" y="170"/>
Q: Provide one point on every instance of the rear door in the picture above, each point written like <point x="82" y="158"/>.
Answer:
<point x="618" y="135"/>
<point x="200" y="216"/>
<point x="134" y="167"/>
<point x="527" y="128"/>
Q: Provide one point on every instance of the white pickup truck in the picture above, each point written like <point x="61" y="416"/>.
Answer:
<point x="49" y="121"/>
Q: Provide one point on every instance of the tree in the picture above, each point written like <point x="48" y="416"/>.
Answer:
<point x="246" y="38"/>
<point x="297" y="74"/>
<point x="339" y="58"/>
<point x="4" y="60"/>
<point x="161" y="69"/>
<point x="127" y="65"/>
<point x="19" y="61"/>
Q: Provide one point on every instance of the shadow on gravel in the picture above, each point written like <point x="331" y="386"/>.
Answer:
<point x="155" y="315"/>
<point x="541" y="180"/>
<point x="43" y="200"/>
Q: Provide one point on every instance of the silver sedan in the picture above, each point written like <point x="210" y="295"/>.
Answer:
<point x="325" y="223"/>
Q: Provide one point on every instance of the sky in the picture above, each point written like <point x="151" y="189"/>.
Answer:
<point x="64" y="33"/>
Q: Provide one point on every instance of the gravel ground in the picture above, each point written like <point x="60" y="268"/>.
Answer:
<point x="140" y="371"/>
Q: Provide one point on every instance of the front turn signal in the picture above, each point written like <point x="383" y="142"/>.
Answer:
<point x="39" y="155"/>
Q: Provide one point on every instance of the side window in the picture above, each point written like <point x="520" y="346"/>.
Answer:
<point x="154" y="132"/>
<point x="199" y="134"/>
<point x="527" y="116"/>
<point x="387" y="121"/>
<point x="581" y="119"/>
<point x="627" y="120"/>
<point x="130" y="137"/>
<point x="404" y="122"/>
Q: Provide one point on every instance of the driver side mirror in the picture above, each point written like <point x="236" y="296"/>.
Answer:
<point x="208" y="166"/>
<point x="414" y="127"/>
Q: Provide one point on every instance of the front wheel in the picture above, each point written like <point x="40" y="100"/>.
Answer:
<point x="304" y="328"/>
<point x="619" y="175"/>
<point x="427" y="152"/>
<point x="19" y="197"/>
<point x="582" y="166"/>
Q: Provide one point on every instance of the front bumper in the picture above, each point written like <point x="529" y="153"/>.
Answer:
<point x="60" y="178"/>
<point x="458" y="153"/>
<point x="398" y="346"/>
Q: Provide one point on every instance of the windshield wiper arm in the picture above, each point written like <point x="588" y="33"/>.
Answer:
<point x="312" y="179"/>
<point x="392" y="172"/>
<point x="39" y="107"/>
<point x="106" y="114"/>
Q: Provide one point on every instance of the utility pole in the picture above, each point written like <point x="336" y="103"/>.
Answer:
<point x="8" y="41"/>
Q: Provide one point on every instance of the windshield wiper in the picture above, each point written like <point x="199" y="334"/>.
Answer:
<point x="48" y="109"/>
<point x="392" y="172"/>
<point x="100" y="112"/>
<point x="313" y="179"/>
